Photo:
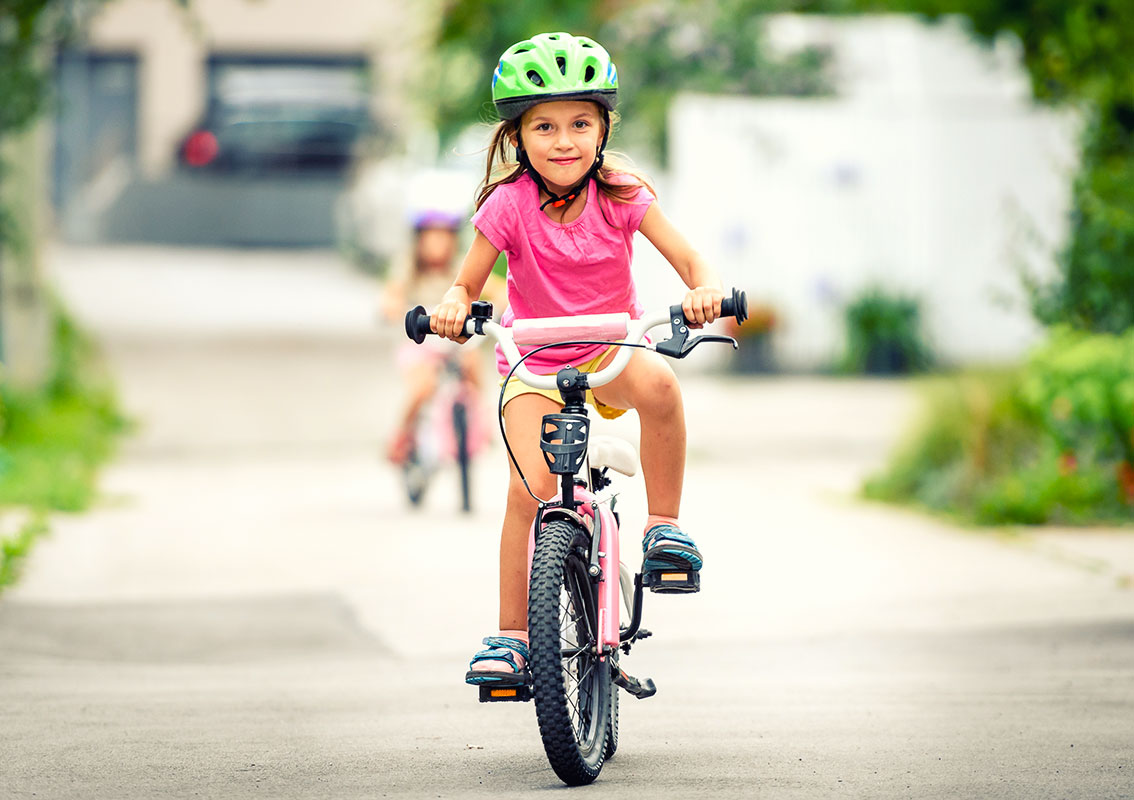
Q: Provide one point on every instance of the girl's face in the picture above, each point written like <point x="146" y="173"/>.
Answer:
<point x="561" y="139"/>
<point x="436" y="248"/>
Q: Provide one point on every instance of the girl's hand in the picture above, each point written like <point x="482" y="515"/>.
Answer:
<point x="448" y="319"/>
<point x="702" y="305"/>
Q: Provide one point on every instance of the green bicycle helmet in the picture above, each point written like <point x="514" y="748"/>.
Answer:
<point x="553" y="66"/>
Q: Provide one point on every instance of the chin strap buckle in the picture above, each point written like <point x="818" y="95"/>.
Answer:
<point x="558" y="202"/>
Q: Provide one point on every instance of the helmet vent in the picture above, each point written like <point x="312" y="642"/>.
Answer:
<point x="562" y="62"/>
<point x="589" y="74"/>
<point x="535" y="77"/>
<point x="522" y="50"/>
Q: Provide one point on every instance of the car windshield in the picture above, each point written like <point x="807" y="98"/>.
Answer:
<point x="271" y="93"/>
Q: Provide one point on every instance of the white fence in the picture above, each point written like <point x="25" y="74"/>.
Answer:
<point x="931" y="173"/>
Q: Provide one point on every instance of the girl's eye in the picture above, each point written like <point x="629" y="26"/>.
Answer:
<point x="543" y="126"/>
<point x="581" y="123"/>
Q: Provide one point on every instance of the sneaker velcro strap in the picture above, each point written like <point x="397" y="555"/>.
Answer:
<point x="503" y="648"/>
<point x="667" y="548"/>
<point x="666" y="533"/>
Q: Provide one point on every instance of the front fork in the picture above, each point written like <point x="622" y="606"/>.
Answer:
<point x="604" y="566"/>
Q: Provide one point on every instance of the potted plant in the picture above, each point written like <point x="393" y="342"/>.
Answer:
<point x="754" y="336"/>
<point x="884" y="334"/>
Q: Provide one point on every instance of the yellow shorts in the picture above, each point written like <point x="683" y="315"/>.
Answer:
<point x="516" y="387"/>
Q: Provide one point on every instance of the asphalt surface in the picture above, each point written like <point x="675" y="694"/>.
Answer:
<point x="252" y="610"/>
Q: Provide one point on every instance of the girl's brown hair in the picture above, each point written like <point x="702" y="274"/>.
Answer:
<point x="502" y="168"/>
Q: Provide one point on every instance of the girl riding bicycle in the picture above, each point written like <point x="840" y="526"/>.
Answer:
<point x="565" y="214"/>
<point x="429" y="271"/>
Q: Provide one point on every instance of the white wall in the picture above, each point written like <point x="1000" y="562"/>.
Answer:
<point x="931" y="172"/>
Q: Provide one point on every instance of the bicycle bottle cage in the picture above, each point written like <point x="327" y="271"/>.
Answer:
<point x="564" y="442"/>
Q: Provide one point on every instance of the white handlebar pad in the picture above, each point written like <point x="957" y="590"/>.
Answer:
<point x="564" y="329"/>
<point x="548" y="330"/>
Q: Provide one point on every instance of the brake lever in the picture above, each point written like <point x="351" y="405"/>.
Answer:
<point x="679" y="345"/>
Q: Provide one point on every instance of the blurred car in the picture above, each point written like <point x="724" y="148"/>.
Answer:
<point x="279" y="117"/>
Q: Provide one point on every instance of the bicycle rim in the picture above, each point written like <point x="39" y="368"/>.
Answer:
<point x="572" y="687"/>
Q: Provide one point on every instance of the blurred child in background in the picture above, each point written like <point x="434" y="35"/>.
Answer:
<point x="430" y="268"/>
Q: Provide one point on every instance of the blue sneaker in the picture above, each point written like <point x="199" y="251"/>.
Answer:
<point x="671" y="562"/>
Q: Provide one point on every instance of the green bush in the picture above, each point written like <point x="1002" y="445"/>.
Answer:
<point x="883" y="334"/>
<point x="1094" y="285"/>
<point x="52" y="441"/>
<point x="1052" y="442"/>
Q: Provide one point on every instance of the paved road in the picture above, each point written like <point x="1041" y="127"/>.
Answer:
<point x="253" y="611"/>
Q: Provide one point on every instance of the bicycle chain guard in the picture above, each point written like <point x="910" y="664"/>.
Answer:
<point x="564" y="442"/>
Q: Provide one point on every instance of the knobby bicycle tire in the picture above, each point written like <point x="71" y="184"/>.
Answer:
<point x="571" y="686"/>
<point x="415" y="477"/>
<point x="461" y="433"/>
<point x="612" y="718"/>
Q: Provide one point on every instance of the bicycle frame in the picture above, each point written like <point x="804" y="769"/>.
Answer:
<point x="448" y="429"/>
<point x="616" y="328"/>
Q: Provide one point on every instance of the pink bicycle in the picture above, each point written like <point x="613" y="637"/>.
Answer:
<point x="449" y="430"/>
<point x="574" y="620"/>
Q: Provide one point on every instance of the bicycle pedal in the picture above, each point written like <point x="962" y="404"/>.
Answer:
<point x="491" y="693"/>
<point x="666" y="582"/>
<point x="640" y="688"/>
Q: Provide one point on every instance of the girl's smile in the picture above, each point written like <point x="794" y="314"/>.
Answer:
<point x="561" y="139"/>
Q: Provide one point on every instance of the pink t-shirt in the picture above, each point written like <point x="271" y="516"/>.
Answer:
<point x="556" y="270"/>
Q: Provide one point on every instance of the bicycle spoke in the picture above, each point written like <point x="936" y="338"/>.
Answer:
<point x="576" y="714"/>
<point x="589" y="672"/>
<point x="571" y="612"/>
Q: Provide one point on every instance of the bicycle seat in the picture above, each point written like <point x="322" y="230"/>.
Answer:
<point x="610" y="451"/>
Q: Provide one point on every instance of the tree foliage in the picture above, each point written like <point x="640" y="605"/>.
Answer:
<point x="25" y="26"/>
<point x="27" y="29"/>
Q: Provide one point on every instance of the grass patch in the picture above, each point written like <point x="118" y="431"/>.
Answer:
<point x="52" y="447"/>
<point x="54" y="439"/>
<point x="15" y="547"/>
<point x="1049" y="442"/>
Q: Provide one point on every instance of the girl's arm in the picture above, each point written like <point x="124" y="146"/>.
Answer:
<point x="448" y="318"/>
<point x="702" y="303"/>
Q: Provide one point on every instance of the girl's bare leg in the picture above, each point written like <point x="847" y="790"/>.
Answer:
<point x="421" y="383"/>
<point x="523" y="418"/>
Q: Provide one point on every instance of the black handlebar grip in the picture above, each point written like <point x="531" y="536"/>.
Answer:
<point x="417" y="324"/>
<point x="735" y="306"/>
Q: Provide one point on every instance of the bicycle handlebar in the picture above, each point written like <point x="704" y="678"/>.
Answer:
<point x="608" y="327"/>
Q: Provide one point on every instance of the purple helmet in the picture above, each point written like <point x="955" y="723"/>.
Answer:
<point x="437" y="218"/>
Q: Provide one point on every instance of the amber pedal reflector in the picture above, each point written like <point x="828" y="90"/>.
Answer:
<point x="674" y="576"/>
<point x="503" y="692"/>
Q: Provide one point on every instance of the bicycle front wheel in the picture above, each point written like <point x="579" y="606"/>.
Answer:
<point x="571" y="685"/>
<point x="415" y="476"/>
